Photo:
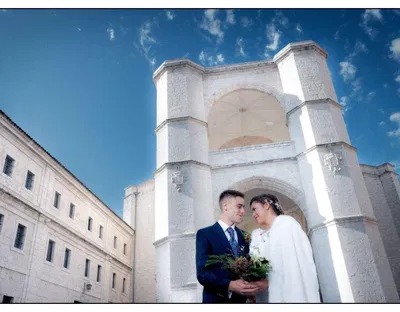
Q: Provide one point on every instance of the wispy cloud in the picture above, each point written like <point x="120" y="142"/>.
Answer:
<point x="359" y="47"/>
<point x="344" y="101"/>
<point x="239" y="47"/>
<point x="78" y="29"/>
<point x="369" y="16"/>
<point x="4" y="10"/>
<point x="395" y="117"/>
<point x="395" y="49"/>
<point x="146" y="41"/>
<point x="397" y="12"/>
<point x="397" y="79"/>
<point x="272" y="31"/>
<point x="211" y="60"/>
<point x="212" y="24"/>
<point x="382" y="123"/>
<point x="230" y="17"/>
<point x="347" y="71"/>
<point x="370" y="96"/>
<point x="337" y="33"/>
<point x="170" y="15"/>
<point x="111" y="33"/>
<point x="273" y="35"/>
<point x="246" y="22"/>
<point x="299" y="29"/>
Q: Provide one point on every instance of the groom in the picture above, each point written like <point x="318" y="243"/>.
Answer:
<point x="221" y="238"/>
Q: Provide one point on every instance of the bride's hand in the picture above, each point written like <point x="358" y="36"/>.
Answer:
<point x="261" y="285"/>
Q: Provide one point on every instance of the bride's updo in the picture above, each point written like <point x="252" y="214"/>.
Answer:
<point x="270" y="199"/>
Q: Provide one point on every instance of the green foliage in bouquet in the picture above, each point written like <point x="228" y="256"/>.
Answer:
<point x="249" y="268"/>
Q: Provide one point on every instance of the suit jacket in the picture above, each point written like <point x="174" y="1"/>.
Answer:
<point x="213" y="241"/>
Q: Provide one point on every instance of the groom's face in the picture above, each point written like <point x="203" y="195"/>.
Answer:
<point x="235" y="209"/>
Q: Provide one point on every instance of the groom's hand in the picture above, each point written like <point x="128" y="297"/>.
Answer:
<point x="261" y="285"/>
<point x="243" y="288"/>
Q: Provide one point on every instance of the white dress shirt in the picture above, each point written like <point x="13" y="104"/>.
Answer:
<point x="225" y="228"/>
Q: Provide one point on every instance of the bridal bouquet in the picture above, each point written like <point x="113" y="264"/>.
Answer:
<point x="250" y="267"/>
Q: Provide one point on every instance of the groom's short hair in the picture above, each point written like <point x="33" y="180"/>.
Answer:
<point x="227" y="194"/>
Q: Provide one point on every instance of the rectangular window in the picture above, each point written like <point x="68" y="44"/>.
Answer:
<point x="123" y="285"/>
<point x="98" y="273"/>
<point x="101" y="232"/>
<point x="67" y="257"/>
<point x="113" y="280"/>
<point x="124" y="249"/>
<point x="90" y="224"/>
<point x="50" y="251"/>
<point x="87" y="268"/>
<point x="8" y="166"/>
<point x="30" y="177"/>
<point x="115" y="241"/>
<point x="1" y="221"/>
<point x="57" y="198"/>
<point x="71" y="210"/>
<point x="20" y="237"/>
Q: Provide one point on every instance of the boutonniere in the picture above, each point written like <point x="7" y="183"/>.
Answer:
<point x="246" y="237"/>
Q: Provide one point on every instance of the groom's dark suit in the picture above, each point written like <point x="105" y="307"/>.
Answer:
<point x="213" y="241"/>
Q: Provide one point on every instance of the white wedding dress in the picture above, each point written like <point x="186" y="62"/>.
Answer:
<point x="293" y="277"/>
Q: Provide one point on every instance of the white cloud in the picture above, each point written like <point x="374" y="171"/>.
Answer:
<point x="299" y="29"/>
<point x="395" y="49"/>
<point x="230" y="17"/>
<point x="211" y="60"/>
<point x="336" y="36"/>
<point x="111" y="33"/>
<point x="395" y="117"/>
<point x="212" y="24"/>
<point x="280" y="19"/>
<point x="382" y="123"/>
<point x="273" y="35"/>
<point x="170" y="15"/>
<point x="359" y="47"/>
<point x="395" y="133"/>
<point x="146" y="40"/>
<point x="344" y="100"/>
<point x="397" y="79"/>
<point x="370" y="96"/>
<point x="78" y="29"/>
<point x="240" y="47"/>
<point x="348" y="71"/>
<point x="246" y="22"/>
<point x="367" y="17"/>
<point x="357" y="86"/>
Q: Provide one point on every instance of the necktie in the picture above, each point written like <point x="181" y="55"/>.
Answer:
<point x="232" y="241"/>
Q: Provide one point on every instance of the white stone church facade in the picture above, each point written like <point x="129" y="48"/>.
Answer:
<point x="271" y="126"/>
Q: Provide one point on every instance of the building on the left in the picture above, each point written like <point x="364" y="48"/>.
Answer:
<point x="58" y="241"/>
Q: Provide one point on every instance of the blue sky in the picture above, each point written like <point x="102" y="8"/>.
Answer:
<point x="80" y="81"/>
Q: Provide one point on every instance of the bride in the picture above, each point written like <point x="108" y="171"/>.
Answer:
<point x="293" y="277"/>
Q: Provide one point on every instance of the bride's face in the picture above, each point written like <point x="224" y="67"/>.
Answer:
<point x="259" y="212"/>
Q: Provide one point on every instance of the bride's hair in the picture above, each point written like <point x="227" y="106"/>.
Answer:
<point x="270" y="199"/>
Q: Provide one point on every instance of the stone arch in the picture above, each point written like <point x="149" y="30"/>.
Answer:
<point x="273" y="184"/>
<point x="218" y="94"/>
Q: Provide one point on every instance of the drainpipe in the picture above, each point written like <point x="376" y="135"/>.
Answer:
<point x="134" y="246"/>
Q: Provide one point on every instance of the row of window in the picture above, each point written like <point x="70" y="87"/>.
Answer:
<point x="19" y="244"/>
<point x="67" y="259"/>
<point x="8" y="170"/>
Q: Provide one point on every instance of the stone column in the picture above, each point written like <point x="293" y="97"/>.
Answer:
<point x="351" y="262"/>
<point x="182" y="179"/>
